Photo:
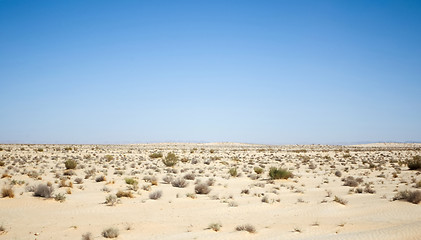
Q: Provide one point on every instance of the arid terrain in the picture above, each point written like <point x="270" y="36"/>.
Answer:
<point x="210" y="191"/>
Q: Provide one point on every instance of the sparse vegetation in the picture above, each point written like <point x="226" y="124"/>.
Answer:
<point x="215" y="227"/>
<point x="70" y="164"/>
<point x="155" y="195"/>
<point x="180" y="183"/>
<point x="170" y="160"/>
<point x="202" y="188"/>
<point x="409" y="196"/>
<point x="156" y="155"/>
<point x="246" y="227"/>
<point x="279" y="173"/>
<point x="7" y="192"/>
<point x="110" y="232"/>
<point x="44" y="190"/>
<point x="414" y="163"/>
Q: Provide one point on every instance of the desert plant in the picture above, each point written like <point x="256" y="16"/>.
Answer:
<point x="246" y="227"/>
<point x="258" y="170"/>
<point x="338" y="173"/>
<point x="409" y="196"/>
<point x="414" y="163"/>
<point x="156" y="155"/>
<point x="127" y="194"/>
<point x="170" y="160"/>
<point x="110" y="233"/>
<point x="100" y="178"/>
<point x="180" y="183"/>
<point x="190" y="176"/>
<point x="87" y="236"/>
<point x="215" y="226"/>
<point x="350" y="181"/>
<point x="233" y="172"/>
<point x="7" y="192"/>
<point x="202" y="188"/>
<point x="1" y="163"/>
<point x="70" y="164"/>
<point x="155" y="195"/>
<point x="130" y="181"/>
<point x="109" y="158"/>
<point x="279" y="173"/>
<point x="78" y="180"/>
<point x="340" y="200"/>
<point x="60" y="197"/>
<point x="111" y="200"/>
<point x="168" y="179"/>
<point x="44" y="190"/>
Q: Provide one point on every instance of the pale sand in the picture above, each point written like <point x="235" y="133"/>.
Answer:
<point x="298" y="208"/>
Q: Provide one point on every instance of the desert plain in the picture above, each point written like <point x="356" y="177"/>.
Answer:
<point x="210" y="191"/>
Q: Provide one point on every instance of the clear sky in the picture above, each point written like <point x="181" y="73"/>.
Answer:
<point x="275" y="72"/>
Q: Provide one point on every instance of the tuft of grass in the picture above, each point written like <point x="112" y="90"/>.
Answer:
<point x="246" y="227"/>
<point x="110" y="232"/>
<point x="414" y="163"/>
<point x="340" y="200"/>
<point x="155" y="195"/>
<point x="44" y="190"/>
<point x="409" y="196"/>
<point x="170" y="160"/>
<point x="279" y="173"/>
<point x="8" y="192"/>
<point x="215" y="227"/>
<point x="202" y="188"/>
<point x="70" y="164"/>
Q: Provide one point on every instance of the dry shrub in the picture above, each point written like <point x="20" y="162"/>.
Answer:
<point x="180" y="183"/>
<point x="7" y="192"/>
<point x="202" y="188"/>
<point x="410" y="196"/>
<point x="110" y="233"/>
<point x="44" y="190"/>
<point x="246" y="227"/>
<point x="127" y="194"/>
<point x="155" y="195"/>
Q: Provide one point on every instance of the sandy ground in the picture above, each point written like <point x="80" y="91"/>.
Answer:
<point x="301" y="207"/>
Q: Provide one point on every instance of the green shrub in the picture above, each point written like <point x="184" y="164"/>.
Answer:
<point x="258" y="170"/>
<point x="170" y="160"/>
<point x="130" y="181"/>
<point x="70" y="164"/>
<point x="233" y="172"/>
<point x="279" y="173"/>
<point x="415" y="163"/>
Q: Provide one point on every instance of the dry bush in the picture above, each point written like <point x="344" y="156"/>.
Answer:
<point x="246" y="227"/>
<point x="44" y="190"/>
<point x="168" y="179"/>
<point x="7" y="192"/>
<point x="414" y="163"/>
<point x="190" y="176"/>
<point x="87" y="236"/>
<point x="202" y="188"/>
<point x="155" y="195"/>
<point x="340" y="200"/>
<point x="110" y="233"/>
<point x="350" y="181"/>
<point x="60" y="197"/>
<point x="111" y="200"/>
<point x="100" y="179"/>
<point x="409" y="196"/>
<point x="215" y="226"/>
<point x="79" y="180"/>
<point x="127" y="194"/>
<point x="180" y="183"/>
<point x="258" y="170"/>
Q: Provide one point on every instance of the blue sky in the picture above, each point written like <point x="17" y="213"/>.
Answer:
<point x="275" y="72"/>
